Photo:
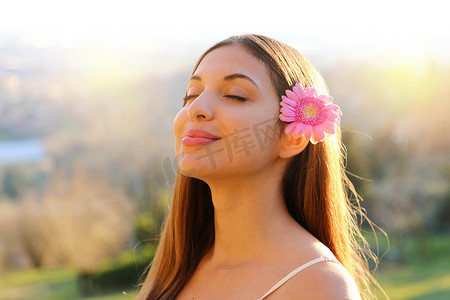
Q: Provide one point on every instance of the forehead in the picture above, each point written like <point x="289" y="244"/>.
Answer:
<point x="233" y="59"/>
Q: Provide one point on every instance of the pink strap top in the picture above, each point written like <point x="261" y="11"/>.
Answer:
<point x="293" y="273"/>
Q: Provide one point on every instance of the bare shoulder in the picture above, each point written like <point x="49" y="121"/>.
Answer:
<point x="326" y="280"/>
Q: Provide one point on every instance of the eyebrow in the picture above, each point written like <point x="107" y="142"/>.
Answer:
<point x="230" y="77"/>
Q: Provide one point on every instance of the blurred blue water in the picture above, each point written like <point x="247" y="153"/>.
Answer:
<point x="20" y="151"/>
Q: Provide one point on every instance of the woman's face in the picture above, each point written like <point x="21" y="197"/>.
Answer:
<point x="229" y="124"/>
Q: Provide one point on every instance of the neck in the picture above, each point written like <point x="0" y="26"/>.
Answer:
<point x="249" y="215"/>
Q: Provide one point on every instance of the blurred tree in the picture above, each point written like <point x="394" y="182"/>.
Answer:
<point x="357" y="165"/>
<point x="152" y="192"/>
<point x="8" y="235"/>
<point x="32" y="227"/>
<point x="87" y="220"/>
<point x="403" y="105"/>
<point x="14" y="182"/>
<point x="443" y="215"/>
<point x="409" y="198"/>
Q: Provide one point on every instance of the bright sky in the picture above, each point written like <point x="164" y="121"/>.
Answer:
<point x="416" y="27"/>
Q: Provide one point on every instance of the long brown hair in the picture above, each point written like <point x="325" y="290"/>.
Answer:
<point x="315" y="190"/>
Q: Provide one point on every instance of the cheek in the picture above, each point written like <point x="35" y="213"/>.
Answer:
<point x="258" y="138"/>
<point x="179" y="121"/>
<point x="178" y="125"/>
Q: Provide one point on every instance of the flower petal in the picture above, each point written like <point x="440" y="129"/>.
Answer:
<point x="287" y="107"/>
<point x="326" y="99"/>
<point x="318" y="134"/>
<point x="331" y="115"/>
<point x="298" y="129"/>
<point x="307" y="131"/>
<point x="339" y="113"/>
<point x="287" y="101"/>
<point x="290" y="128"/>
<point x="291" y="95"/>
<point x="298" y="90"/>
<point x="286" y="119"/>
<point x="311" y="92"/>
<point x="287" y="111"/>
<point x="329" y="126"/>
<point x="333" y="107"/>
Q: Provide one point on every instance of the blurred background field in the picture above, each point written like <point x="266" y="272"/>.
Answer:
<point x="87" y="98"/>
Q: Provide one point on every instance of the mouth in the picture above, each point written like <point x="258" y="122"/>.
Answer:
<point x="196" y="137"/>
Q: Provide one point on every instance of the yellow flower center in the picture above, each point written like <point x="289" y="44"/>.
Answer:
<point x="310" y="110"/>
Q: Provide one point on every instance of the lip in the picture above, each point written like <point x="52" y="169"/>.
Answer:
<point x="197" y="137"/>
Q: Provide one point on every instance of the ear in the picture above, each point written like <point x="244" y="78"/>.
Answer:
<point x="292" y="146"/>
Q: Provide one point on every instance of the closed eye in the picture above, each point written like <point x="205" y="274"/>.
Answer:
<point x="236" y="97"/>
<point x="189" y="97"/>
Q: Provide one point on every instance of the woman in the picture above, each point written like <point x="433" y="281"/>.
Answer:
<point x="260" y="209"/>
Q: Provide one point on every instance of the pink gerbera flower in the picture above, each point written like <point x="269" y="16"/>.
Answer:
<point x="313" y="116"/>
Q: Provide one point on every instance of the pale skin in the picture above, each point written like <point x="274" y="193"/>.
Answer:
<point x="257" y="242"/>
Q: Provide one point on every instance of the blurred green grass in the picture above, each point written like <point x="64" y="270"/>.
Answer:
<point x="49" y="284"/>
<point x="427" y="281"/>
<point x="417" y="279"/>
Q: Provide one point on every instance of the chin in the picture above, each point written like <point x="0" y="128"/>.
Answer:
<point x="189" y="166"/>
<point x="198" y="165"/>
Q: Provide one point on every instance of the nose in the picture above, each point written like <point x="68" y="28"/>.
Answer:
<point x="200" y="108"/>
